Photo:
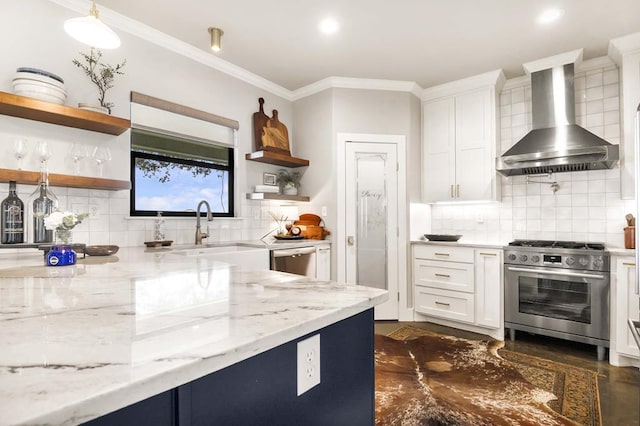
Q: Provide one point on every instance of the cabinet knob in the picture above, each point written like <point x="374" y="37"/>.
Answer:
<point x="351" y="240"/>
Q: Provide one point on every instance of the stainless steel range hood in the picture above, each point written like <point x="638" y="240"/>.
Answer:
<point x="556" y="143"/>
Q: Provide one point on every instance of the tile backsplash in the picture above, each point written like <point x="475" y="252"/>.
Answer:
<point x="109" y="221"/>
<point x="579" y="206"/>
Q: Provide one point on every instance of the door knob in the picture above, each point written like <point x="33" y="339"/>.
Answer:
<point x="351" y="240"/>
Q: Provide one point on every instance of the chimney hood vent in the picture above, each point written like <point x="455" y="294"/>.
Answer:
<point x="556" y="144"/>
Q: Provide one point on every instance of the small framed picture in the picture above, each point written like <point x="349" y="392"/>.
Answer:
<point x="269" y="179"/>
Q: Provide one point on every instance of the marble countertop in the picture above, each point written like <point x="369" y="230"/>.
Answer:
<point x="82" y="341"/>
<point x="462" y="243"/>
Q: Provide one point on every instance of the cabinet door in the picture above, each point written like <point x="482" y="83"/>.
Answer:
<point x="626" y="306"/>
<point x="474" y="167"/>
<point x="439" y="149"/>
<point x="489" y="283"/>
<point x="323" y="262"/>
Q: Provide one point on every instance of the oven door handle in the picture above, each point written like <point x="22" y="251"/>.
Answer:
<point x="560" y="273"/>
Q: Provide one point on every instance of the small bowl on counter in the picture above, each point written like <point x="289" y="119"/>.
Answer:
<point x="101" y="250"/>
<point x="442" y="237"/>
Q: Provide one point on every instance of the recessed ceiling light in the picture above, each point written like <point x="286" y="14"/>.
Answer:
<point x="550" y="15"/>
<point x="329" y="26"/>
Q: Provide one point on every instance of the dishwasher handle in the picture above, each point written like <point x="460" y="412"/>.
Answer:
<point x="297" y="251"/>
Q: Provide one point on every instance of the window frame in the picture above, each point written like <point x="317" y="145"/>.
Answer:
<point x="230" y="168"/>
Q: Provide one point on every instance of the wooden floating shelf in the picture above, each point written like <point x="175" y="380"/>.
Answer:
<point x="31" y="178"/>
<point x="276" y="159"/>
<point x="35" y="109"/>
<point x="272" y="196"/>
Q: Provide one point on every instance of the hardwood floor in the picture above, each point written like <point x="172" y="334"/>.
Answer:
<point x="619" y="386"/>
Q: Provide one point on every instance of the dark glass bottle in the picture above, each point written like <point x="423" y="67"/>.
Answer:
<point x="12" y="217"/>
<point x="43" y="206"/>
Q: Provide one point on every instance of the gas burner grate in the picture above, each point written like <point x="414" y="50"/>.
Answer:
<point x="575" y="245"/>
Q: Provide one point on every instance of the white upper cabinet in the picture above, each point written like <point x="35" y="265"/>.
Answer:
<point x="625" y="52"/>
<point x="460" y="139"/>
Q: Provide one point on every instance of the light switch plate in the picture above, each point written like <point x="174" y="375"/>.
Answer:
<point x="308" y="367"/>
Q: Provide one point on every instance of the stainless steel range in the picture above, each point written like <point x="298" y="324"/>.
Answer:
<point x="558" y="289"/>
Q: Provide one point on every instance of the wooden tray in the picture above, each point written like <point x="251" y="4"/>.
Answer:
<point x="158" y="243"/>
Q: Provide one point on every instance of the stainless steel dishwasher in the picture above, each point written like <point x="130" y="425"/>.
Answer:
<point x="297" y="260"/>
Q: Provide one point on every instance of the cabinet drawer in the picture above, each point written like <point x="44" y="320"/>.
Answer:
<point x="446" y="253"/>
<point x="445" y="304"/>
<point x="444" y="275"/>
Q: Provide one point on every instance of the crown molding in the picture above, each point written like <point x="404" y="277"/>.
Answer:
<point x="494" y="78"/>
<point x="572" y="57"/>
<point x="147" y="33"/>
<point x="618" y="47"/>
<point x="357" y="83"/>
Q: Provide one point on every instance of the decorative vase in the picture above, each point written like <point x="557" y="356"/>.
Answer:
<point x="290" y="190"/>
<point x="63" y="236"/>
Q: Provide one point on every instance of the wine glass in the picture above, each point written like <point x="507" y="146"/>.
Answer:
<point x="101" y="154"/>
<point x="19" y="150"/>
<point x="78" y="152"/>
<point x="43" y="151"/>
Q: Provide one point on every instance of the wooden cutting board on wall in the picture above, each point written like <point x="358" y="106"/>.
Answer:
<point x="269" y="133"/>
<point x="259" y="122"/>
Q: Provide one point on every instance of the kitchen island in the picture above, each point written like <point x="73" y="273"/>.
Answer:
<point x="186" y="339"/>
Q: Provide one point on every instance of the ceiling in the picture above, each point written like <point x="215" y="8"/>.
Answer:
<point x="425" y="41"/>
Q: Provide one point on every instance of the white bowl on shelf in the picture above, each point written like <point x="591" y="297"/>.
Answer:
<point x="38" y="77"/>
<point x="56" y="99"/>
<point x="21" y="85"/>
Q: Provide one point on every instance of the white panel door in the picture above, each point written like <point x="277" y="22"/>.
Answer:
<point x="371" y="192"/>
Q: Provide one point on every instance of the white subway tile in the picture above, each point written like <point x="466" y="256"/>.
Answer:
<point x="518" y="120"/>
<point x="594" y="93"/>
<point x="579" y="82"/>
<point x="517" y="108"/>
<point x="579" y="187"/>
<point x="610" y="76"/>
<point x="581" y="226"/>
<point x="595" y="107"/>
<point x="597" y="213"/>
<point x="594" y="79"/>
<point x="612" y="131"/>
<point x="595" y="120"/>
<point x="579" y="213"/>
<point x="597" y="199"/>
<point x="596" y="186"/>
<point x="611" y="91"/>
<point x="579" y="200"/>
<point x="612" y="104"/>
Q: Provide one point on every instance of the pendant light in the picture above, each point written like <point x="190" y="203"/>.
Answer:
<point x="216" y="37"/>
<point x="91" y="31"/>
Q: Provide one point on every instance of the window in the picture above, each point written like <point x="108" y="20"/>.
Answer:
<point x="172" y="174"/>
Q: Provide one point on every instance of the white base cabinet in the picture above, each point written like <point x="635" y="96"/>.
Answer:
<point x="323" y="262"/>
<point x="459" y="287"/>
<point x="625" y="304"/>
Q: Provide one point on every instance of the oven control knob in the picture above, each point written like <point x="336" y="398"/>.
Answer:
<point x="535" y="258"/>
<point x="523" y="258"/>
<point x="512" y="257"/>
<point x="570" y="261"/>
<point x="597" y="263"/>
<point x="584" y="261"/>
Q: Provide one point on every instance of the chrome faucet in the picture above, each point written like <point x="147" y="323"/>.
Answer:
<point x="199" y="234"/>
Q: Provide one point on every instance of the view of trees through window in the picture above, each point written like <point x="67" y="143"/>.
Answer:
<point x="174" y="182"/>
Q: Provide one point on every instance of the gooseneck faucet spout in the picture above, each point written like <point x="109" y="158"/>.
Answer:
<point x="199" y="234"/>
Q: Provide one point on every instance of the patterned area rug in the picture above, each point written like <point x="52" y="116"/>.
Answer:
<point x="423" y="378"/>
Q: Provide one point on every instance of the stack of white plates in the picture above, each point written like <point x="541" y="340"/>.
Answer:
<point x="39" y="84"/>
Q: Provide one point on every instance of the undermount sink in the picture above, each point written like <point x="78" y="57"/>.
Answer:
<point x="212" y="249"/>
<point x="246" y="256"/>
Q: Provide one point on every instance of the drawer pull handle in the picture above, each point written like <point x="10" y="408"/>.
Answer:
<point x="443" y="275"/>
<point x="488" y="254"/>
<point x="629" y="263"/>
<point x="442" y="254"/>
<point x="451" y="189"/>
<point x="442" y="303"/>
